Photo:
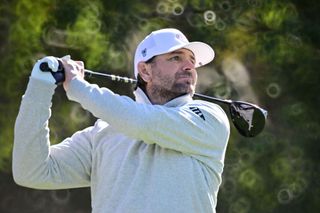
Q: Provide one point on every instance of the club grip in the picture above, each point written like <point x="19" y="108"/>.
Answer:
<point x="44" y="67"/>
<point x="58" y="75"/>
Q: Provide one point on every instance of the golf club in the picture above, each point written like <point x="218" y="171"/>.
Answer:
<point x="249" y="119"/>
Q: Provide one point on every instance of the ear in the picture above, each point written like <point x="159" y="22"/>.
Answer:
<point x="144" y="70"/>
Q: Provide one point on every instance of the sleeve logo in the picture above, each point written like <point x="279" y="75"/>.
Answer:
<point x="198" y="112"/>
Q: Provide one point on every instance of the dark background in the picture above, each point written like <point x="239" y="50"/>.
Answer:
<point x="267" y="52"/>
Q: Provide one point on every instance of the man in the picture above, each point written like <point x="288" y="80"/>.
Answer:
<point x="163" y="152"/>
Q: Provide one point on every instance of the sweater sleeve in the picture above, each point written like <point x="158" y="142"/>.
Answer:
<point x="181" y="128"/>
<point x="35" y="163"/>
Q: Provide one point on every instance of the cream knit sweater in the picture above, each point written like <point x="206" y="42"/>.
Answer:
<point x="137" y="157"/>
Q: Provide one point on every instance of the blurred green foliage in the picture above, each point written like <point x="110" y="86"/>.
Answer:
<point x="267" y="52"/>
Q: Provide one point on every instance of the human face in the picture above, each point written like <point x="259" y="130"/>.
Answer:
<point x="173" y="74"/>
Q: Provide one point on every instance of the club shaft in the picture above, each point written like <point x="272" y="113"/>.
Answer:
<point x="212" y="99"/>
<point x="112" y="77"/>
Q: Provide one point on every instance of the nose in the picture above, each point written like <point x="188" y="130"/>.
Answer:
<point x="188" y="65"/>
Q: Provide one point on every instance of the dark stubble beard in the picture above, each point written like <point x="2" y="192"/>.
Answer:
<point x="170" y="89"/>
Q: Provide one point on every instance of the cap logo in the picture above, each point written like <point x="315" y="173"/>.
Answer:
<point x="144" y="52"/>
<point x="181" y="37"/>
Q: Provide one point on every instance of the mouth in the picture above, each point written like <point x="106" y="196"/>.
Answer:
<point x="185" y="75"/>
<point x="185" y="80"/>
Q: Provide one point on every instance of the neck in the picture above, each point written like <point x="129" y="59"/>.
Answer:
<point x="160" y="97"/>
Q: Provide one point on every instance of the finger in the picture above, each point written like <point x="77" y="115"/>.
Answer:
<point x="73" y="64"/>
<point x="81" y="66"/>
<point x="66" y="58"/>
<point x="64" y="62"/>
<point x="80" y="63"/>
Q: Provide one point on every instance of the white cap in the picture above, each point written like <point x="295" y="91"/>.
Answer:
<point x="168" y="40"/>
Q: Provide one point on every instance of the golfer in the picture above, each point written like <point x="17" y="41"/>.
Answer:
<point x="163" y="152"/>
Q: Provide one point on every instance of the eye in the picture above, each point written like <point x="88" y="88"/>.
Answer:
<point x="175" y="58"/>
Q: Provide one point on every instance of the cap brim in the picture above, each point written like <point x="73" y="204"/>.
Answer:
<point x="203" y="53"/>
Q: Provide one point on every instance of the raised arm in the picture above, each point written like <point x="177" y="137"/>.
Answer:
<point x="178" y="128"/>
<point x="36" y="164"/>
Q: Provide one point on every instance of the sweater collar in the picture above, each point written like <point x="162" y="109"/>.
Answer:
<point x="141" y="97"/>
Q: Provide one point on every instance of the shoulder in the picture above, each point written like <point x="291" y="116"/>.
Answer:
<point x="205" y="104"/>
<point x="213" y="115"/>
<point x="99" y="125"/>
<point x="209" y="108"/>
